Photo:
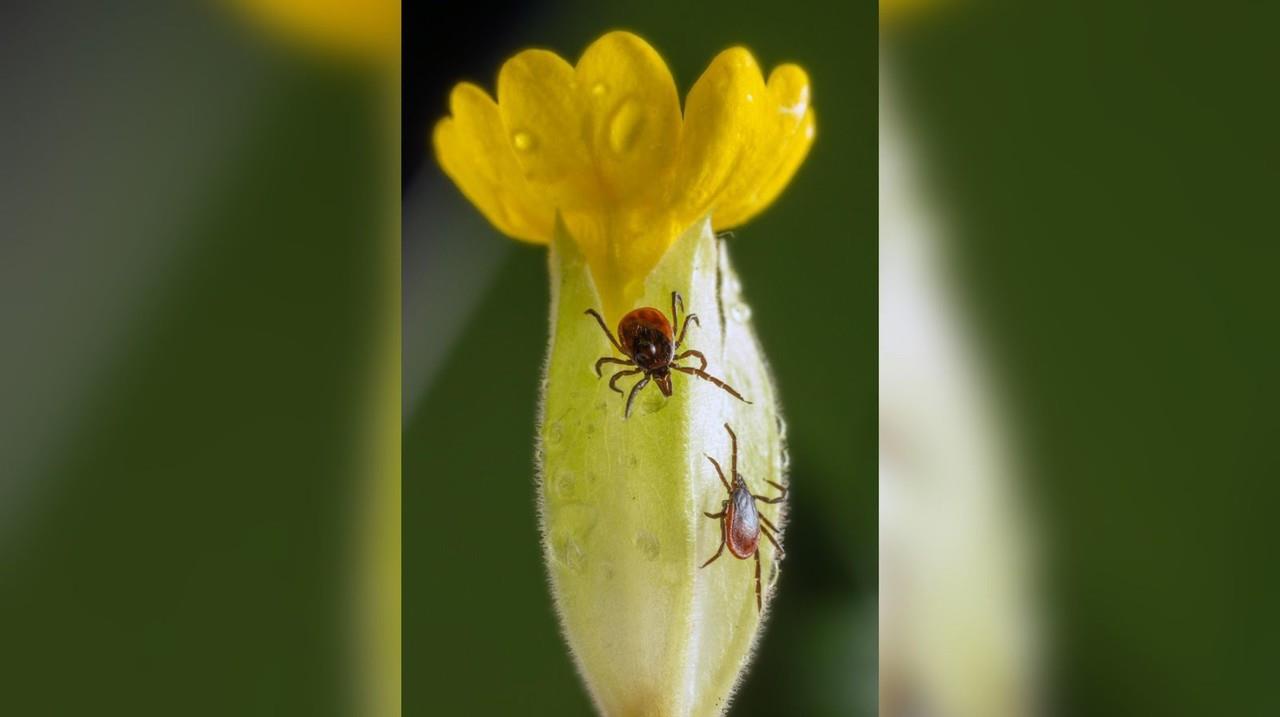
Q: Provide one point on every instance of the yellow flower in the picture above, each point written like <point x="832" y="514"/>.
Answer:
<point x="604" y="145"/>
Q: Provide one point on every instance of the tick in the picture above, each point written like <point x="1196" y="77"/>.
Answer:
<point x="650" y="345"/>
<point x="740" y="522"/>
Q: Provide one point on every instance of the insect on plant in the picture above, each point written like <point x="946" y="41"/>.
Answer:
<point x="648" y="341"/>
<point x="740" y="522"/>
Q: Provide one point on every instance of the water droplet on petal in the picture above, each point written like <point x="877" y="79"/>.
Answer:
<point x="523" y="141"/>
<point x="740" y="312"/>
<point x="599" y="88"/>
<point x="625" y="127"/>
<point x="750" y="97"/>
<point x="798" y="108"/>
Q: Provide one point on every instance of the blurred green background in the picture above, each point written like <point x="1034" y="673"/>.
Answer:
<point x="480" y="635"/>
<point x="1107" y="173"/>
<point x="192" y="218"/>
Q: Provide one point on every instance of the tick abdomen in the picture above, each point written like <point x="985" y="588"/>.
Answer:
<point x="743" y="523"/>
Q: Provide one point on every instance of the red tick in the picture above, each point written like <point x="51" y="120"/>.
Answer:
<point x="740" y="522"/>
<point x="650" y="345"/>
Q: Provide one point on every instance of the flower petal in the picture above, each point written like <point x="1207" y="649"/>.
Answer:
<point x="474" y="152"/>
<point x="621" y="247"/>
<point x="782" y="137"/>
<point x="602" y="146"/>
<point x="632" y="115"/>
<point x="539" y="103"/>
<point x="720" y="123"/>
<point x="793" y="156"/>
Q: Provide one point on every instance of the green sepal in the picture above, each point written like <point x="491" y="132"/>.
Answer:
<point x="622" y="500"/>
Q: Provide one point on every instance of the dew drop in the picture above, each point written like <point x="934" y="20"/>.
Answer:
<point x="750" y="97"/>
<point x="599" y="89"/>
<point x="555" y="433"/>
<point x="732" y="286"/>
<point x="784" y="453"/>
<point x="740" y="312"/>
<point x="569" y="553"/>
<point x="625" y="127"/>
<point x="564" y="483"/>
<point x="523" y="141"/>
<point x="648" y="544"/>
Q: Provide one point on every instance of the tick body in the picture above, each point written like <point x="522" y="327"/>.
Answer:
<point x="741" y="523"/>
<point x="650" y="343"/>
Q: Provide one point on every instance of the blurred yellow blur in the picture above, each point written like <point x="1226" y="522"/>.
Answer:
<point x="895" y="11"/>
<point x="367" y="29"/>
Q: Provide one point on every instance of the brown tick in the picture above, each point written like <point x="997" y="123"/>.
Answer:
<point x="650" y="345"/>
<point x="740" y="523"/>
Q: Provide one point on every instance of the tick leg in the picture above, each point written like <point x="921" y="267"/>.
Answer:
<point x="609" y="359"/>
<point x="691" y="352"/>
<point x="613" y="382"/>
<point x="720" y="473"/>
<point x="768" y="534"/>
<point x="772" y="501"/>
<point x="605" y="327"/>
<point x="708" y="377"/>
<point x="766" y="522"/>
<point x="676" y="300"/>
<point x="717" y="552"/>
<point x="685" y="328"/>
<point x="634" y="390"/>
<point x="714" y="515"/>
<point x="733" y="437"/>
<point x="759" y="605"/>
